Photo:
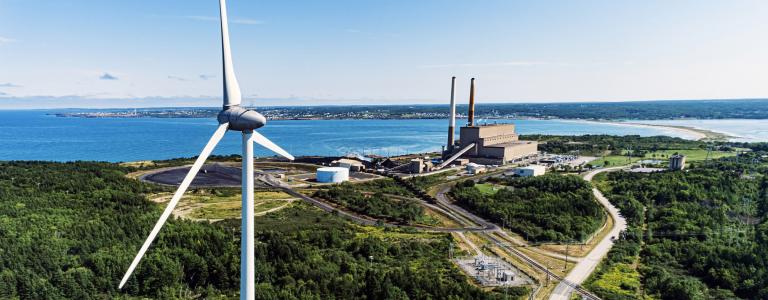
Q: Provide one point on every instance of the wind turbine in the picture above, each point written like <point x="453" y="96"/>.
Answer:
<point x="236" y="118"/>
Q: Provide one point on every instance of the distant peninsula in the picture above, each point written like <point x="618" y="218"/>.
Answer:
<point x="599" y="111"/>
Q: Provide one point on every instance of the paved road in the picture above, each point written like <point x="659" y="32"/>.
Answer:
<point x="584" y="268"/>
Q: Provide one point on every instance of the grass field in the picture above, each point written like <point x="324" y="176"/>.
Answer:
<point x="621" y="279"/>
<point x="231" y="210"/>
<point x="488" y="188"/>
<point x="433" y="218"/>
<point x="218" y="204"/>
<point x="613" y="160"/>
<point x="691" y="155"/>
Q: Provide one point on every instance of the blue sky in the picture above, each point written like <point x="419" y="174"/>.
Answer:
<point x="110" y="53"/>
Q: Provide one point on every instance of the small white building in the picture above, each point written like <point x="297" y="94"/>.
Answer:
<point x="474" y="168"/>
<point x="332" y="175"/>
<point x="532" y="170"/>
<point x="505" y="276"/>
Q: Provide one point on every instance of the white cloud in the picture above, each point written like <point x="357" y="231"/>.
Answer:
<point x="177" y="78"/>
<point x="9" y="85"/>
<point x="5" y="40"/>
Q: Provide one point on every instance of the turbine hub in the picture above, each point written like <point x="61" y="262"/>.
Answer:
<point x="241" y="119"/>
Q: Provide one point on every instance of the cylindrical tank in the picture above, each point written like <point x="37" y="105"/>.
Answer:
<point x="332" y="175"/>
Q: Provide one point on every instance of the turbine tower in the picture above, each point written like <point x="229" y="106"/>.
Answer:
<point x="236" y="118"/>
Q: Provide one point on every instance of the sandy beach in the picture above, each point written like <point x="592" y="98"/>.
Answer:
<point x="688" y="132"/>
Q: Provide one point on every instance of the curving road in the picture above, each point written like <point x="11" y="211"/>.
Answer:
<point x="584" y="268"/>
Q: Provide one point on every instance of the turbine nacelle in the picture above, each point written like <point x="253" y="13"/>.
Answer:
<point x="241" y="119"/>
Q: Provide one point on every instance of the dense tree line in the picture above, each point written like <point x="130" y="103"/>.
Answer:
<point x="700" y="234"/>
<point x="640" y="110"/>
<point x="70" y="230"/>
<point x="424" y="182"/>
<point x="385" y="184"/>
<point x="545" y="208"/>
<point x="374" y="204"/>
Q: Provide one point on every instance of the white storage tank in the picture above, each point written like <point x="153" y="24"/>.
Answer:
<point x="332" y="175"/>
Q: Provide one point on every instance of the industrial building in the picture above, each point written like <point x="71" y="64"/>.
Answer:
<point x="491" y="144"/>
<point x="332" y="175"/>
<point x="419" y="165"/>
<point x="474" y="169"/>
<point x="351" y="164"/>
<point x="677" y="162"/>
<point x="530" y="171"/>
<point x="495" y="144"/>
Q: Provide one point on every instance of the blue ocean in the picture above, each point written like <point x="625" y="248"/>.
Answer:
<point x="38" y="135"/>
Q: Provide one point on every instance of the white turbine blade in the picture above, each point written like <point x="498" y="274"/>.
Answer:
<point x="176" y="197"/>
<point x="266" y="143"/>
<point x="231" y="87"/>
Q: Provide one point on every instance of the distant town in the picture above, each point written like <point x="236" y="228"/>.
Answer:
<point x="642" y="110"/>
<point x="273" y="113"/>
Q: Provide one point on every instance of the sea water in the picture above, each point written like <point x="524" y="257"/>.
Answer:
<point x="38" y="135"/>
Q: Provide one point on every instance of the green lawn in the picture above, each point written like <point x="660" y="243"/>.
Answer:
<point x="487" y="188"/>
<point x="613" y="160"/>
<point x="691" y="155"/>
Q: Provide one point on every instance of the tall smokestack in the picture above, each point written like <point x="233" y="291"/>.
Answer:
<point x="452" y="120"/>
<point x="471" y="117"/>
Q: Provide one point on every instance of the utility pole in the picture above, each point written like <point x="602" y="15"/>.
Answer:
<point x="565" y="267"/>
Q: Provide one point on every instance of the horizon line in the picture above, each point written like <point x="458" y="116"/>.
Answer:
<point x="385" y="105"/>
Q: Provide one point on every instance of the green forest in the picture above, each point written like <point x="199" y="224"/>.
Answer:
<point x="698" y="234"/>
<point x="69" y="231"/>
<point x="543" y="209"/>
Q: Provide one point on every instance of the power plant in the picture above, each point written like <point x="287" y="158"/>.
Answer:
<point x="488" y="144"/>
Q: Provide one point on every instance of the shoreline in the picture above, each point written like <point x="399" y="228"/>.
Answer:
<point x="704" y="134"/>
<point x="691" y="133"/>
<point x="701" y="134"/>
